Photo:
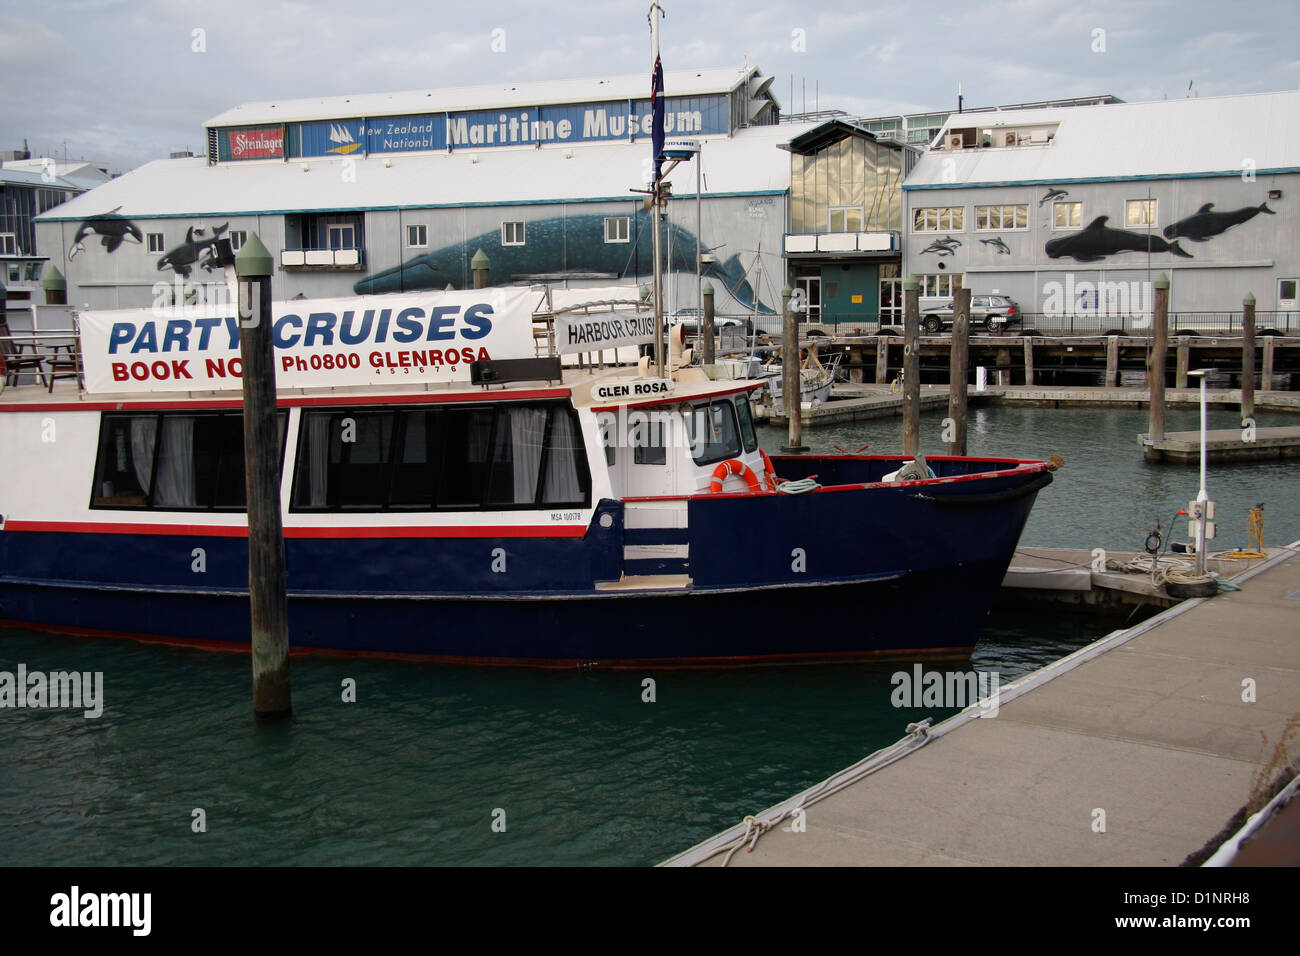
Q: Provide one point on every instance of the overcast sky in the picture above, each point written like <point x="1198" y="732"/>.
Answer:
<point x="120" y="80"/>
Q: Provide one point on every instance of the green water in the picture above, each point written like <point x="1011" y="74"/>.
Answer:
<point x="584" y="769"/>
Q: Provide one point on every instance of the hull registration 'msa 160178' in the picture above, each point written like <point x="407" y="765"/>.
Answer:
<point x="610" y="518"/>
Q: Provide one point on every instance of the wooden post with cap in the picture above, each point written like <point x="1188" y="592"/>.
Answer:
<point x="1156" y="365"/>
<point x="1248" y="357"/>
<point x="958" y="366"/>
<point x="790" y="374"/>
<point x="911" y="366"/>
<point x="269" y="612"/>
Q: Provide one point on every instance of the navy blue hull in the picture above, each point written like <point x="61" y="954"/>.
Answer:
<point x="914" y="569"/>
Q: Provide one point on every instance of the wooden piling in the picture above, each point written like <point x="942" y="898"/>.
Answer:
<point x="1156" y="361"/>
<point x="911" y="366"/>
<point x="1182" y="362"/>
<point x="957" y="368"/>
<point x="790" y="377"/>
<point x="882" y="359"/>
<point x="1248" y="357"/>
<point x="1112" y="361"/>
<point x="479" y="266"/>
<point x="1266" y="373"/>
<point x="269" y="611"/>
<point x="1029" y="359"/>
<point x="706" y="325"/>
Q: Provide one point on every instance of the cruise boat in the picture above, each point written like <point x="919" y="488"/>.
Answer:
<point x="451" y="491"/>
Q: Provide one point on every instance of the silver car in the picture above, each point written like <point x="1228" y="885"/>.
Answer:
<point x="986" y="311"/>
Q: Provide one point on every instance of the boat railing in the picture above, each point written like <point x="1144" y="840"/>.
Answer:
<point x="31" y="357"/>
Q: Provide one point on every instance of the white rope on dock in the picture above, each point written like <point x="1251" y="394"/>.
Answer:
<point x="921" y="733"/>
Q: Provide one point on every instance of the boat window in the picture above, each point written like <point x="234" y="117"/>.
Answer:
<point x="453" y="457"/>
<point x="746" y="417"/>
<point x="172" y="461"/>
<point x="711" y="431"/>
<point x="647" y="438"/>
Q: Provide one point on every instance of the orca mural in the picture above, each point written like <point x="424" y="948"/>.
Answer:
<point x="112" y="228"/>
<point x="564" y="245"/>
<point x="196" y="249"/>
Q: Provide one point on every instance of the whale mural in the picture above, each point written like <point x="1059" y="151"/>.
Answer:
<point x="1097" y="241"/>
<point x="1204" y="224"/>
<point x="196" y="249"/>
<point x="112" y="228"/>
<point x="562" y="245"/>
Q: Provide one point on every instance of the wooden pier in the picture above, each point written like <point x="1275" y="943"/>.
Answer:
<point x="1137" y="750"/>
<point x="1224" y="444"/>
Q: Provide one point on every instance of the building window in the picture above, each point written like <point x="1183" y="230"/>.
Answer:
<point x="237" y="239"/>
<point x="1001" y="218"/>
<point x="341" y="235"/>
<point x="935" y="286"/>
<point x="617" y="228"/>
<point x="1140" y="212"/>
<point x="938" y="219"/>
<point x="455" y="457"/>
<point x="156" y="243"/>
<point x="417" y="236"/>
<point x="512" y="234"/>
<point x="174" y="461"/>
<point x="1067" y="214"/>
<point x="8" y="244"/>
<point x="1286" y="293"/>
<point x="846" y="219"/>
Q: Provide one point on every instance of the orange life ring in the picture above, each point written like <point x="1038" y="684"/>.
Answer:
<point x="768" y="471"/>
<point x="733" y="466"/>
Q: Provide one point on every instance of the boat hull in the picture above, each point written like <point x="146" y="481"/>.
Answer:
<point x="771" y="579"/>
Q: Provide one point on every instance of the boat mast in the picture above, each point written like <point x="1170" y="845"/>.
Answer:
<point x="657" y="140"/>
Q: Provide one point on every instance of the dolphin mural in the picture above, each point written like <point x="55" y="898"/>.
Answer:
<point x="113" y="229"/>
<point x="559" y="245"/>
<point x="946" y="246"/>
<point x="1097" y="241"/>
<point x="1053" y="194"/>
<point x="1203" y="224"/>
<point x="997" y="245"/>
<point x="182" y="259"/>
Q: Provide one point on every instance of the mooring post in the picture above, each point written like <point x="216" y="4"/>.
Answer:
<point x="1156" y="360"/>
<point x="479" y="266"/>
<point x="882" y="358"/>
<point x="706" y="326"/>
<point x="1248" y="357"/>
<point x="1266" y="372"/>
<point x="790" y="376"/>
<point x="266" y="583"/>
<point x="55" y="286"/>
<point x="1182" y="362"/>
<point x="1112" y="361"/>
<point x="957" y="368"/>
<point x="911" y="366"/>
<point x="1029" y="359"/>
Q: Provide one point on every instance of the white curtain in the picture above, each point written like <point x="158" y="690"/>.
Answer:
<point x="318" y="449"/>
<point x="527" y="430"/>
<point x="561" y="465"/>
<point x="175" y="476"/>
<point x="142" y="439"/>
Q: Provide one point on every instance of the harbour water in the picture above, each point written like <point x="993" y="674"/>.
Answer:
<point x="584" y="769"/>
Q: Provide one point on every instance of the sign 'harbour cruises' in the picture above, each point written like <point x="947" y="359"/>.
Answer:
<point x="365" y="340"/>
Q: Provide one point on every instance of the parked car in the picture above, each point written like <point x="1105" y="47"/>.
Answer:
<point x="986" y="312"/>
<point x="691" y="319"/>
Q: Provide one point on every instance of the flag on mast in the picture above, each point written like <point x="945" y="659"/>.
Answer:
<point x="656" y="92"/>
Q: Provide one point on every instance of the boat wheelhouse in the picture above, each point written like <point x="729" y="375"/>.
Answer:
<point x="504" y="510"/>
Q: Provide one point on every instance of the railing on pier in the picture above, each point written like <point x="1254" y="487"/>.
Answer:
<point x="1083" y="323"/>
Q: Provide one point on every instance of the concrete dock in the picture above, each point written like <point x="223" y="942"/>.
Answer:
<point x="1137" y="750"/>
<point x="1224" y="444"/>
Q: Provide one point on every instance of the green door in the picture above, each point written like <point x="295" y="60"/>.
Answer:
<point x="850" y="293"/>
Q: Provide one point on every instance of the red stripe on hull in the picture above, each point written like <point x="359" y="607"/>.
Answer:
<point x="770" y="660"/>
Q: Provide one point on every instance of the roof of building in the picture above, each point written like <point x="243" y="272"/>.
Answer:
<point x="747" y="163"/>
<point x="28" y="178"/>
<point x="1159" y="139"/>
<point x="824" y="134"/>
<point x="81" y="173"/>
<point x="633" y="86"/>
